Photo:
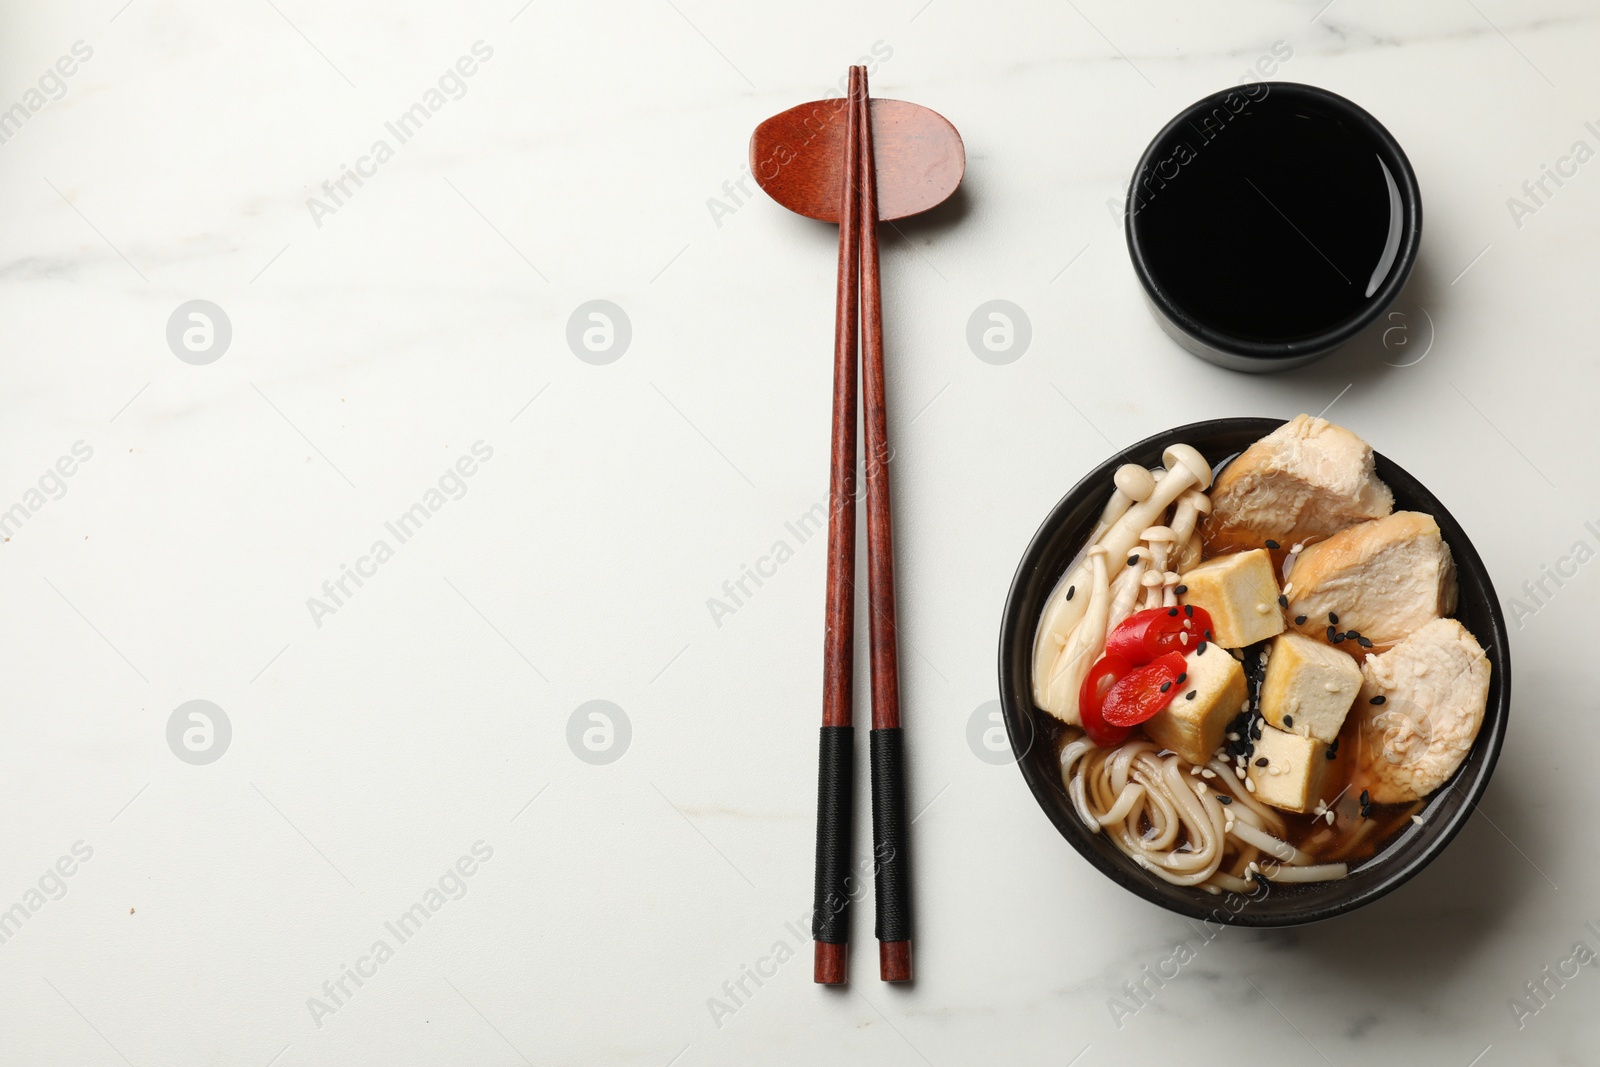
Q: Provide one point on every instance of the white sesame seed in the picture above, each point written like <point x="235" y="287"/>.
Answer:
<point x="1231" y="735"/>
<point x="1262" y="609"/>
<point x="1329" y="817"/>
<point x="1249" y="783"/>
<point x="1417" y="819"/>
<point x="1332" y="687"/>
<point x="1208" y="773"/>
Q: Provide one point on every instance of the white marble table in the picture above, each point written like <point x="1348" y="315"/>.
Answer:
<point x="402" y="341"/>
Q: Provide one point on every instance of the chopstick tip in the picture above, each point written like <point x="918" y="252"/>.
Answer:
<point x="894" y="961"/>
<point x="830" y="963"/>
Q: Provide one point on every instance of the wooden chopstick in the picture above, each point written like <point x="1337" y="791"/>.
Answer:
<point x="830" y="917"/>
<point x="890" y="840"/>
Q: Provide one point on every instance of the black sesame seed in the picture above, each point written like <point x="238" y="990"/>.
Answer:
<point x="1224" y="799"/>
<point x="1288" y="720"/>
<point x="1340" y="638"/>
<point x="1299" y="620"/>
<point x="1332" y="617"/>
<point x="1188" y="609"/>
<point x="1173" y="614"/>
<point x="1261" y="880"/>
<point x="1133" y="559"/>
<point x="1379" y="699"/>
<point x="1262" y="762"/>
<point x="1272" y="544"/>
<point x="1363" y="642"/>
<point x="1070" y="590"/>
<point x="1335" y="746"/>
<point x="1190" y="694"/>
<point x="1209" y="637"/>
<point x="1331" y="753"/>
<point x="1183" y="677"/>
<point x="1200" y="649"/>
<point x="1182" y="589"/>
<point x="1366" y="797"/>
<point x="1165" y="686"/>
<point x="1366" y="812"/>
<point x="1283" y="601"/>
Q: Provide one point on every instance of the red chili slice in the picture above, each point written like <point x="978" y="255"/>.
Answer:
<point x="1102" y="678"/>
<point x="1138" y="695"/>
<point x="1144" y="635"/>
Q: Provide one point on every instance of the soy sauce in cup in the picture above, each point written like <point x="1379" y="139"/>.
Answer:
<point x="1270" y="223"/>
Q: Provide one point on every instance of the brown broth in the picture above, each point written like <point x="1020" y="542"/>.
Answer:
<point x="1218" y="540"/>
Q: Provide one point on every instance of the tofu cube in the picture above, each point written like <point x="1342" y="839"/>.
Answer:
<point x="1292" y="776"/>
<point x="1240" y="591"/>
<point x="1214" y="692"/>
<point x="1309" y="687"/>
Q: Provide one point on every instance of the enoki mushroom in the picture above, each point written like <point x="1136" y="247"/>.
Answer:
<point x="1169" y="821"/>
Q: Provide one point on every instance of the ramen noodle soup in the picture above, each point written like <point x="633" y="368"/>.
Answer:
<point x="1255" y="676"/>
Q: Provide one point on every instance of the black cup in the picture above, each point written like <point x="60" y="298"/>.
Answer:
<point x="1263" y="228"/>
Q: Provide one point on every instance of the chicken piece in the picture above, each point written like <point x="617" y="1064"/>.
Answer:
<point x="1211" y="695"/>
<point x="1431" y="689"/>
<point x="1309" y="687"/>
<point x="1304" y="481"/>
<point x="1381" y="580"/>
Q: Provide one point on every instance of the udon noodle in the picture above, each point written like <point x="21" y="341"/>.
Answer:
<point x="1168" y="816"/>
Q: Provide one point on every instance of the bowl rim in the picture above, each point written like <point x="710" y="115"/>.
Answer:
<point x="1334" y="336"/>
<point x="1121" y="869"/>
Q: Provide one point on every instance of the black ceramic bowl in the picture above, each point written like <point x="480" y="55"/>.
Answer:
<point x="1035" y="734"/>
<point x="1204" y="237"/>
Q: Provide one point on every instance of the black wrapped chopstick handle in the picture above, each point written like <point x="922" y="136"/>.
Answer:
<point x="830" y="915"/>
<point x="890" y="840"/>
